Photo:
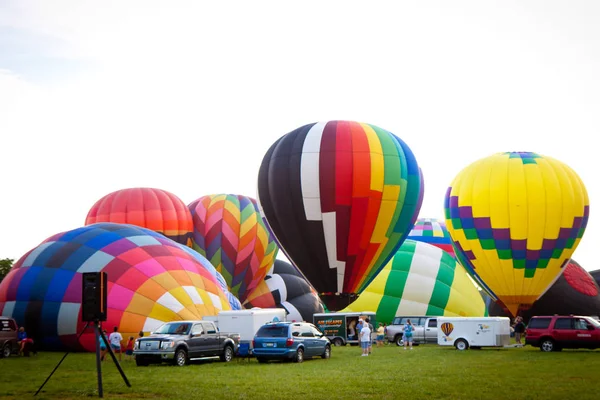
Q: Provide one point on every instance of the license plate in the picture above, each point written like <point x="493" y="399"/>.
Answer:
<point x="270" y="345"/>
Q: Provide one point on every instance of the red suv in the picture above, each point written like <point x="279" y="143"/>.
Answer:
<point x="554" y="333"/>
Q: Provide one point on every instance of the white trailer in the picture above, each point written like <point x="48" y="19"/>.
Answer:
<point x="247" y="322"/>
<point x="473" y="332"/>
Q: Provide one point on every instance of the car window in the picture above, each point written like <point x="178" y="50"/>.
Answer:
<point x="272" y="331"/>
<point x="208" y="327"/>
<point x="197" y="329"/>
<point x="581" y="323"/>
<point x="396" y="321"/>
<point x="315" y="330"/>
<point x="305" y="331"/>
<point x="296" y="330"/>
<point x="593" y="322"/>
<point x="563" y="323"/>
<point x="539" y="323"/>
<point x="432" y="323"/>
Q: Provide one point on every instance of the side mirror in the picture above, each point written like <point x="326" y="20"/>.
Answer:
<point x="590" y="327"/>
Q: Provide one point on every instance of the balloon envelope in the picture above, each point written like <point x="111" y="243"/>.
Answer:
<point x="151" y="280"/>
<point x="515" y="219"/>
<point x="421" y="280"/>
<point x="433" y="232"/>
<point x="339" y="197"/>
<point x="285" y="287"/>
<point x="574" y="292"/>
<point x="230" y="232"/>
<point x="155" y="209"/>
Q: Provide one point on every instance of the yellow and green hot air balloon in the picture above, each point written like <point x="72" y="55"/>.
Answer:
<point x="421" y="279"/>
<point x="516" y="219"/>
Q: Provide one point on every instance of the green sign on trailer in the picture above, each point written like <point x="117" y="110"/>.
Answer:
<point x="340" y="327"/>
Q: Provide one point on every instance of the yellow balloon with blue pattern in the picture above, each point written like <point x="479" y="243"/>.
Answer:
<point x="515" y="219"/>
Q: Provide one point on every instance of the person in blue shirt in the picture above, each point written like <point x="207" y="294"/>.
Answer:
<point x="22" y="340"/>
<point x="408" y="334"/>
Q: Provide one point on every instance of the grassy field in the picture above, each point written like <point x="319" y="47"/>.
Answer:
<point x="427" y="372"/>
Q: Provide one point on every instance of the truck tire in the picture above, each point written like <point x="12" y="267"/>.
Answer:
<point x="461" y="344"/>
<point x="6" y="351"/>
<point x="398" y="340"/>
<point x="338" y="342"/>
<point x="327" y="353"/>
<point x="141" y="362"/>
<point x="181" y="358"/>
<point x="227" y="354"/>
<point x="299" y="355"/>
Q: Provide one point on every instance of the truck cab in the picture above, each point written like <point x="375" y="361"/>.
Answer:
<point x="425" y="329"/>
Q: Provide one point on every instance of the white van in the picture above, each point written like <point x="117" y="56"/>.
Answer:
<point x="473" y="332"/>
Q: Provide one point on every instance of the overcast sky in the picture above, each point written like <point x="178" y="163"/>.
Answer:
<point x="187" y="96"/>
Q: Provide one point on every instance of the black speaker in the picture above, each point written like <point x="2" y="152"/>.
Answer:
<point x="93" y="297"/>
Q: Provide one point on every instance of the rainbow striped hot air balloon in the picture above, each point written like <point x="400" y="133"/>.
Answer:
<point x="229" y="231"/>
<point x="339" y="197"/>
<point x="516" y="219"/>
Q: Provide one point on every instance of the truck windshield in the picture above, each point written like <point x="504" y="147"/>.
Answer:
<point x="174" y="328"/>
<point x="272" y="331"/>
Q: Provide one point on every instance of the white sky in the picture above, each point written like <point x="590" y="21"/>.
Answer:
<point x="188" y="96"/>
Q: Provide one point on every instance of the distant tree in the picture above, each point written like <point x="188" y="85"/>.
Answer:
<point x="5" y="266"/>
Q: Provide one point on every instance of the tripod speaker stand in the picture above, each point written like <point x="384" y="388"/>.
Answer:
<point x="93" y="310"/>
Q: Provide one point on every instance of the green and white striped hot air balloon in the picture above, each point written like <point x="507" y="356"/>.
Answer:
<point x="421" y="279"/>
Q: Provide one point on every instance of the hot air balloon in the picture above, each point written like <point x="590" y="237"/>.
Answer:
<point x="574" y="292"/>
<point x="151" y="280"/>
<point x="433" y="232"/>
<point x="596" y="275"/>
<point x="155" y="209"/>
<point x="420" y="279"/>
<point x="515" y="219"/>
<point x="339" y="197"/>
<point x="230" y="233"/>
<point x="447" y="328"/>
<point x="285" y="287"/>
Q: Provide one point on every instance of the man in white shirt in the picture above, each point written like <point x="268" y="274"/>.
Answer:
<point x="365" y="339"/>
<point x="115" y="340"/>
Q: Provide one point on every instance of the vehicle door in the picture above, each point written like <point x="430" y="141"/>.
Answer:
<point x="584" y="336"/>
<point x="431" y="331"/>
<point x="419" y="326"/>
<point x="196" y="341"/>
<point x="307" y="337"/>
<point x="563" y="332"/>
<point x="320" y="340"/>
<point x="212" y="338"/>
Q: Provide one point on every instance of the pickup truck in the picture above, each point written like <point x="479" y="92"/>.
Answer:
<point x="180" y="341"/>
<point x="425" y="330"/>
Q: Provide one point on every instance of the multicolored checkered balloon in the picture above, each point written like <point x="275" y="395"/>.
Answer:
<point x="151" y="280"/>
<point x="230" y="233"/>
<point x="515" y="219"/>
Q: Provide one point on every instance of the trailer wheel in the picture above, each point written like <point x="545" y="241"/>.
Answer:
<point x="461" y="344"/>
<point x="338" y="342"/>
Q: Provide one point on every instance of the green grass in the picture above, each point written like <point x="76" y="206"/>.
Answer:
<point x="427" y="372"/>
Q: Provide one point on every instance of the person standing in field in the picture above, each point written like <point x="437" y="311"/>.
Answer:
<point x="380" y="335"/>
<point x="408" y="334"/>
<point x="519" y="328"/>
<point x="365" y="339"/>
<point x="115" y="340"/>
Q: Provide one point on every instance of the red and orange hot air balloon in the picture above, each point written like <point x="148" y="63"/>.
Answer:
<point x="154" y="209"/>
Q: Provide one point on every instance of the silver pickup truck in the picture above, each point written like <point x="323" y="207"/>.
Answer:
<point x="180" y="341"/>
<point x="425" y="330"/>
